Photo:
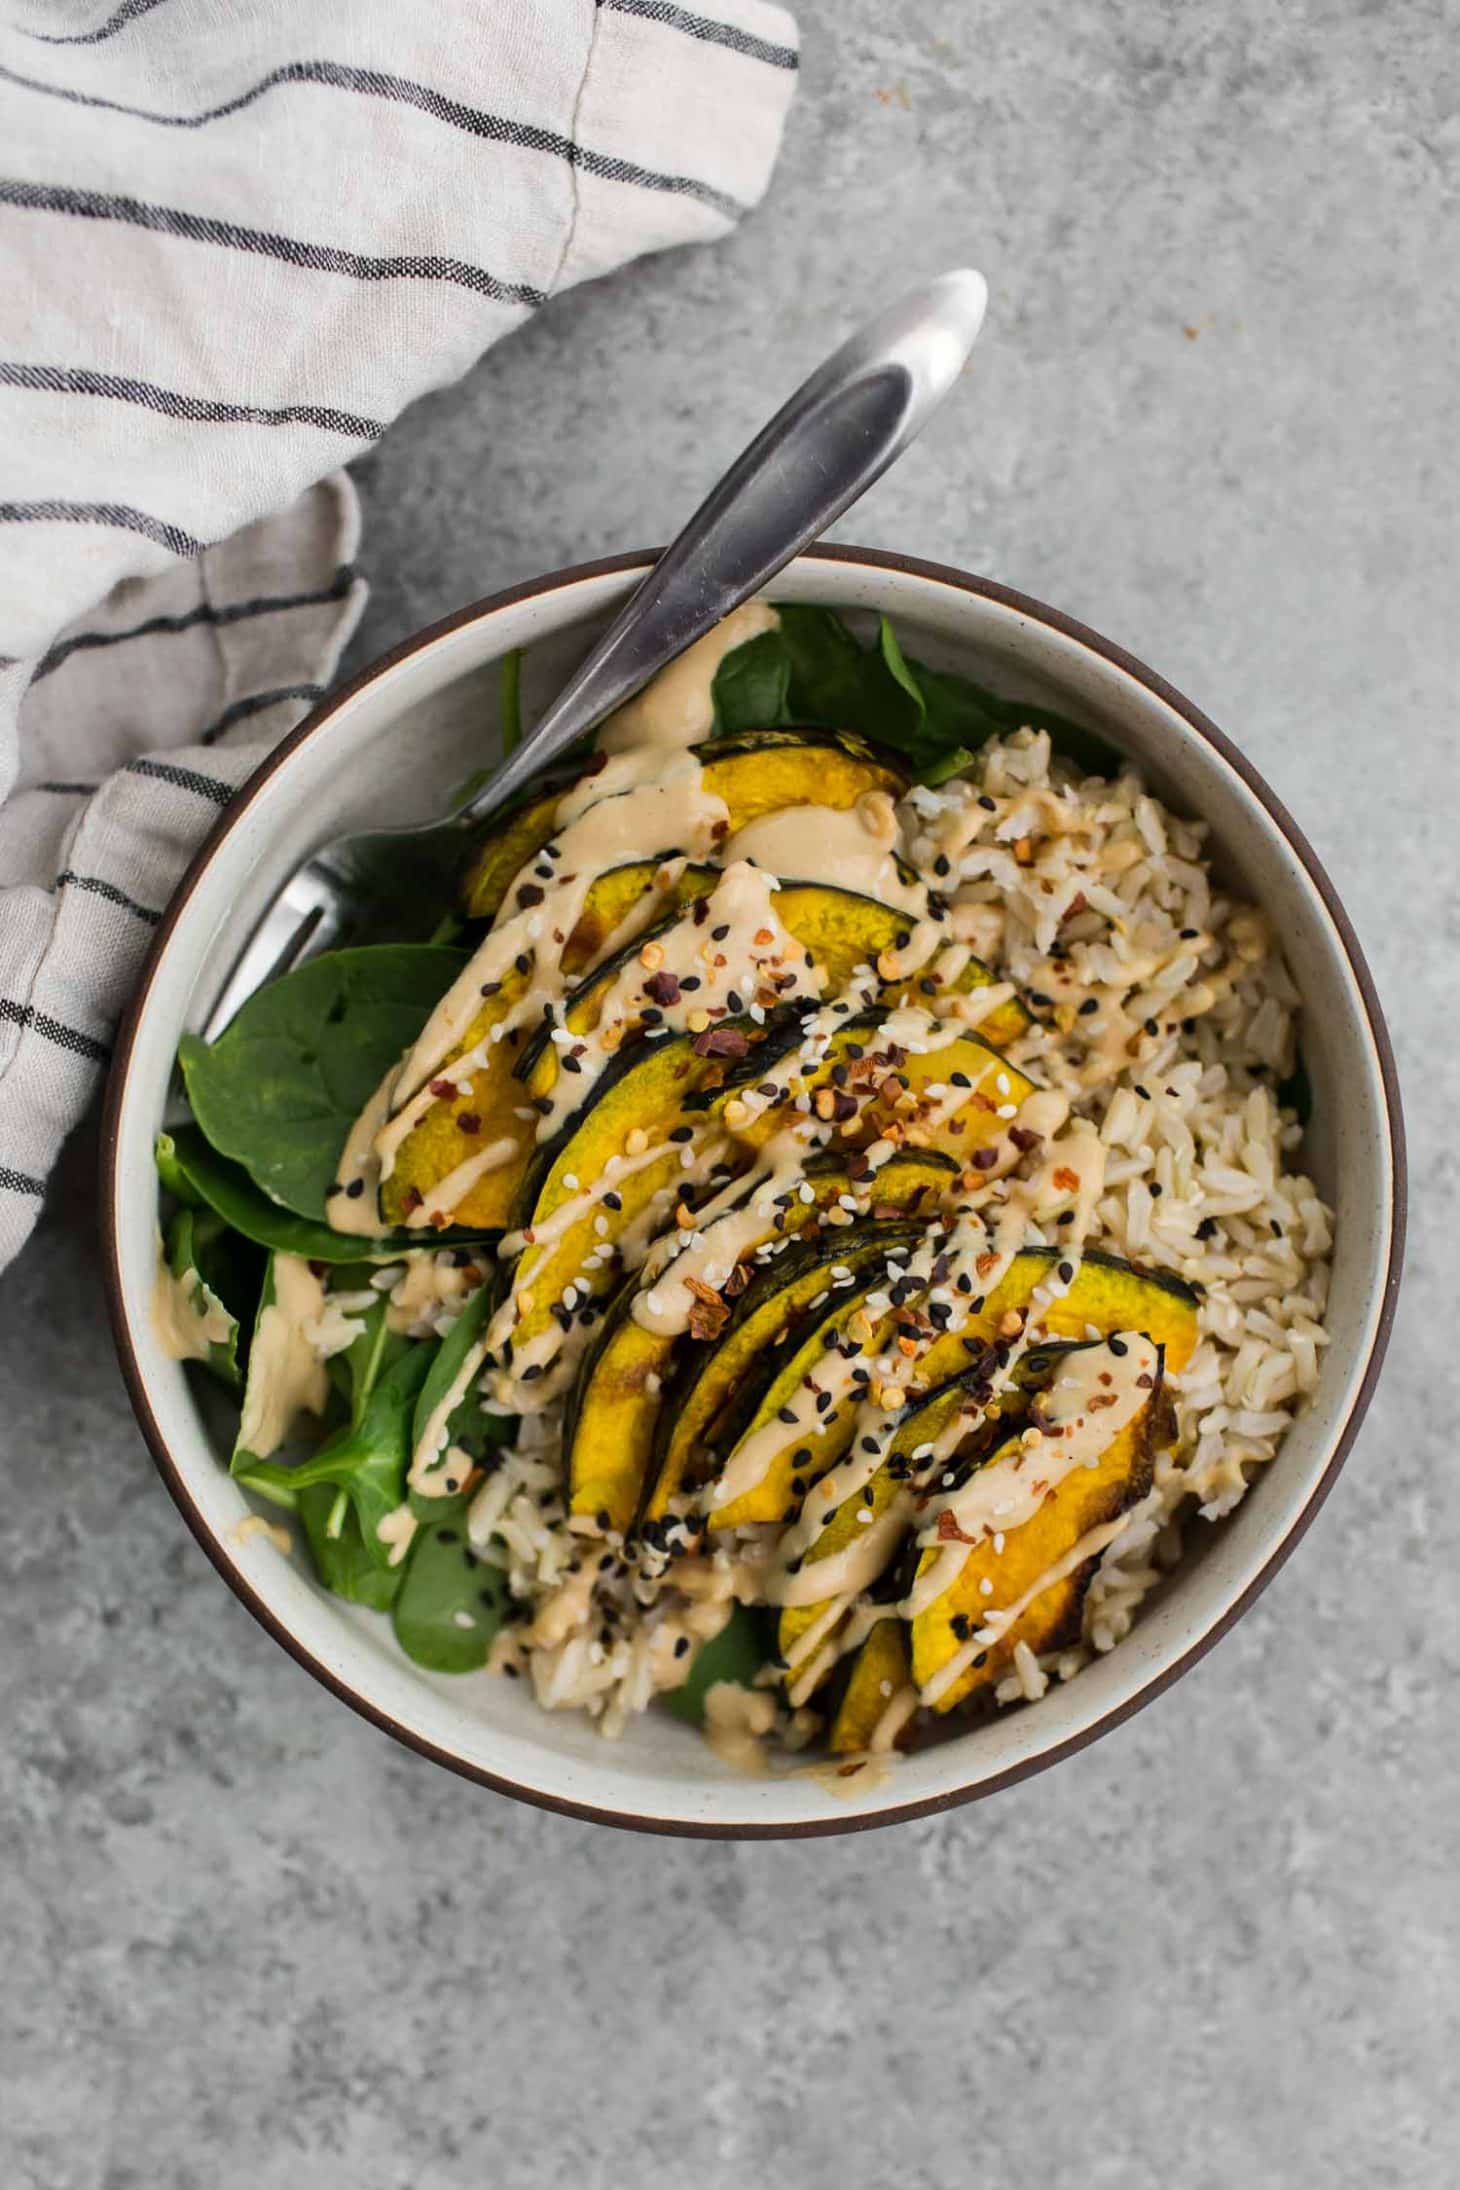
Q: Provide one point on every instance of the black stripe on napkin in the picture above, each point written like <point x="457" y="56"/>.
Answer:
<point x="17" y="1182"/>
<point x="255" y="704"/>
<point x="117" y="20"/>
<point x="207" y="612"/>
<point x="53" y="1030"/>
<point x="96" y="887"/>
<point x="102" y="513"/>
<point x="404" y="91"/>
<point x="170" y="220"/>
<point x="705" y="27"/>
<point x="184" y="779"/>
<point x="198" y="409"/>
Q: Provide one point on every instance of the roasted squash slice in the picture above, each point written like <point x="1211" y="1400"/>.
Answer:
<point x="949" y="1098"/>
<point x="485" y="1105"/>
<point x="920" y="1423"/>
<point x="991" y="1579"/>
<point x="875" y="1673"/>
<point x="520" y="832"/>
<point x="608" y="1436"/>
<point x="720" y="1386"/>
<point x="756" y="773"/>
<point x="619" y="1146"/>
<point x="1107" y="1295"/>
<point x="840" y="928"/>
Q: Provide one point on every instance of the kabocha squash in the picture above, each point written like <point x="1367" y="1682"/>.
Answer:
<point x="920" y="1424"/>
<point x="702" y="1414"/>
<point x="487" y="1104"/>
<point x="1108" y="1295"/>
<point x="609" y="1431"/>
<point x="513" y="840"/>
<point x="608" y="1167"/>
<point x="876" y="1672"/>
<point x="840" y="928"/>
<point x="949" y="1098"/>
<point x="994" y="1578"/>
<point x="756" y="773"/>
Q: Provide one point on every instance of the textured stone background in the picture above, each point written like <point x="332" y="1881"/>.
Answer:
<point x="247" y="1941"/>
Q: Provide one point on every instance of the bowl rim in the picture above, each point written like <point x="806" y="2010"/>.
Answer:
<point x="1157" y="1683"/>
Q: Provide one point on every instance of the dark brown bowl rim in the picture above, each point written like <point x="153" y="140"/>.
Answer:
<point x="875" y="559"/>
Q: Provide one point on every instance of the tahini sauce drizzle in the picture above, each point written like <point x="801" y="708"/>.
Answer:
<point x="285" y="1375"/>
<point x="851" y="850"/>
<point x="186" y="1317"/>
<point x="677" y="707"/>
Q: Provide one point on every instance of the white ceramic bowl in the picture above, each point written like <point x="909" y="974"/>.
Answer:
<point x="388" y="746"/>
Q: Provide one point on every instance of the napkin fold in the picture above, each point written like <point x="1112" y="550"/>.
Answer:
<point x="235" y="243"/>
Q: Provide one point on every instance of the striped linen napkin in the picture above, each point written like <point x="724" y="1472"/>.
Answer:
<point x="235" y="242"/>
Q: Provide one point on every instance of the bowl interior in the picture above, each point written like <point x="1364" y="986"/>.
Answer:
<point x="391" y="748"/>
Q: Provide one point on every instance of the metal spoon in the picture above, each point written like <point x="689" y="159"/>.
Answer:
<point x="824" y="448"/>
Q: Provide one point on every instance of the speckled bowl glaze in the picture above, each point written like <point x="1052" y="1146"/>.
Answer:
<point x="387" y="746"/>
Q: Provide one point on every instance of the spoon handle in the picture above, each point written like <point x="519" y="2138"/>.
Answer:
<point x="839" y="432"/>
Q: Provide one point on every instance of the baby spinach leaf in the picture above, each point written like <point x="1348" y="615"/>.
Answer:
<point x="450" y="1604"/>
<point x="193" y="1172"/>
<point x="367" y="1459"/>
<point x="216" y="1271"/>
<point x="820" y="673"/>
<point x="466" y="1415"/>
<point x="1296" y="1092"/>
<point x="752" y="688"/>
<point x="343" y="1561"/>
<point x="736" y="1654"/>
<point x="282" y="1085"/>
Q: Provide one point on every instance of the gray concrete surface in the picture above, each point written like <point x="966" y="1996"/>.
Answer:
<point x="248" y="1942"/>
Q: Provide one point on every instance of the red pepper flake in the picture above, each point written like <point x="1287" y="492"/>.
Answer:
<point x="412" y="1198"/>
<point x="1078" y="903"/>
<point x="720" y="1042"/>
<point x="1066" y="1180"/>
<point x="663" y="988"/>
<point x="1145" y="1383"/>
<point x="531" y="893"/>
<point x="469" y="1121"/>
<point x="1024" y="1139"/>
<point x="949" y="1531"/>
<point x="446" y="1089"/>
